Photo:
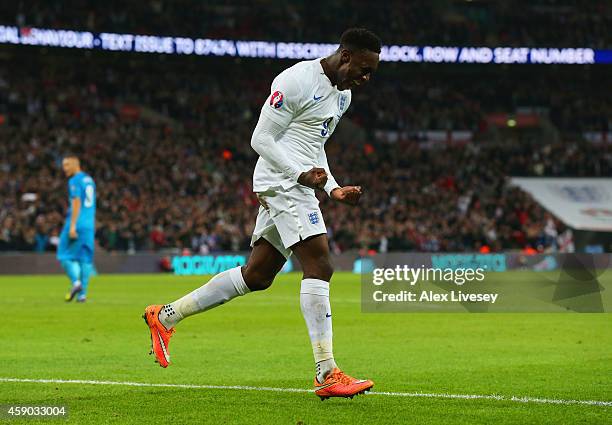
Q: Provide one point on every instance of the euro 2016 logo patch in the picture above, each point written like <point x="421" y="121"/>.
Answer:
<point x="276" y="100"/>
<point x="313" y="217"/>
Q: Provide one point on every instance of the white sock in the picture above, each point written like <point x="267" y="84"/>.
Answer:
<point x="76" y="283"/>
<point x="314" y="300"/>
<point x="218" y="290"/>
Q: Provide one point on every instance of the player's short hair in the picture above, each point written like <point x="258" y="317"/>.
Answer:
<point x="360" y="39"/>
<point x="70" y="155"/>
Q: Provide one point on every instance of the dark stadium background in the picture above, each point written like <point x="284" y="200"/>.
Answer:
<point x="167" y="137"/>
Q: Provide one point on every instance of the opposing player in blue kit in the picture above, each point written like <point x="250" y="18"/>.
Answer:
<point x="76" y="247"/>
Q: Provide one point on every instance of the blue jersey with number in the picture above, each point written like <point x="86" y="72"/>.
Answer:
<point x="82" y="186"/>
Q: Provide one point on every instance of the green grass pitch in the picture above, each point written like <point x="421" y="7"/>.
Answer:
<point x="260" y="340"/>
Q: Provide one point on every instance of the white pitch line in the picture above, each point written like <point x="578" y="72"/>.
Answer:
<point x="300" y="390"/>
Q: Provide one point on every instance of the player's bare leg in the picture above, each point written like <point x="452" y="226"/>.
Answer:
<point x="264" y="263"/>
<point x="258" y="274"/>
<point x="313" y="254"/>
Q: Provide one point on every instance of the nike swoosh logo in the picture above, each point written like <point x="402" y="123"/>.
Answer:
<point x="328" y="315"/>
<point x="317" y="98"/>
<point x="322" y="387"/>
<point x="163" y="346"/>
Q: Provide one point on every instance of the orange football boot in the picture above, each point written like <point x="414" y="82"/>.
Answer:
<point x="339" y="384"/>
<point x="160" y="336"/>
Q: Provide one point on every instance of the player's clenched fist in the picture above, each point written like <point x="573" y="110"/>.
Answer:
<point x="347" y="194"/>
<point x="315" y="178"/>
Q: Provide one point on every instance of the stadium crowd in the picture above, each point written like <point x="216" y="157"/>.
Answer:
<point x="173" y="163"/>
<point x="584" y="23"/>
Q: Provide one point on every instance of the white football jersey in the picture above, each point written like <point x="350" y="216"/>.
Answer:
<point x="305" y="103"/>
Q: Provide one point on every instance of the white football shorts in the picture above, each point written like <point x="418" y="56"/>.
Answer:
<point x="291" y="215"/>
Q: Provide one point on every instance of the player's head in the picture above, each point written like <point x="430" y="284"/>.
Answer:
<point x="71" y="164"/>
<point x="359" y="52"/>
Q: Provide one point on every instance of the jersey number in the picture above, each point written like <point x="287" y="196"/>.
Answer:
<point x="89" y="196"/>
<point x="326" y="125"/>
